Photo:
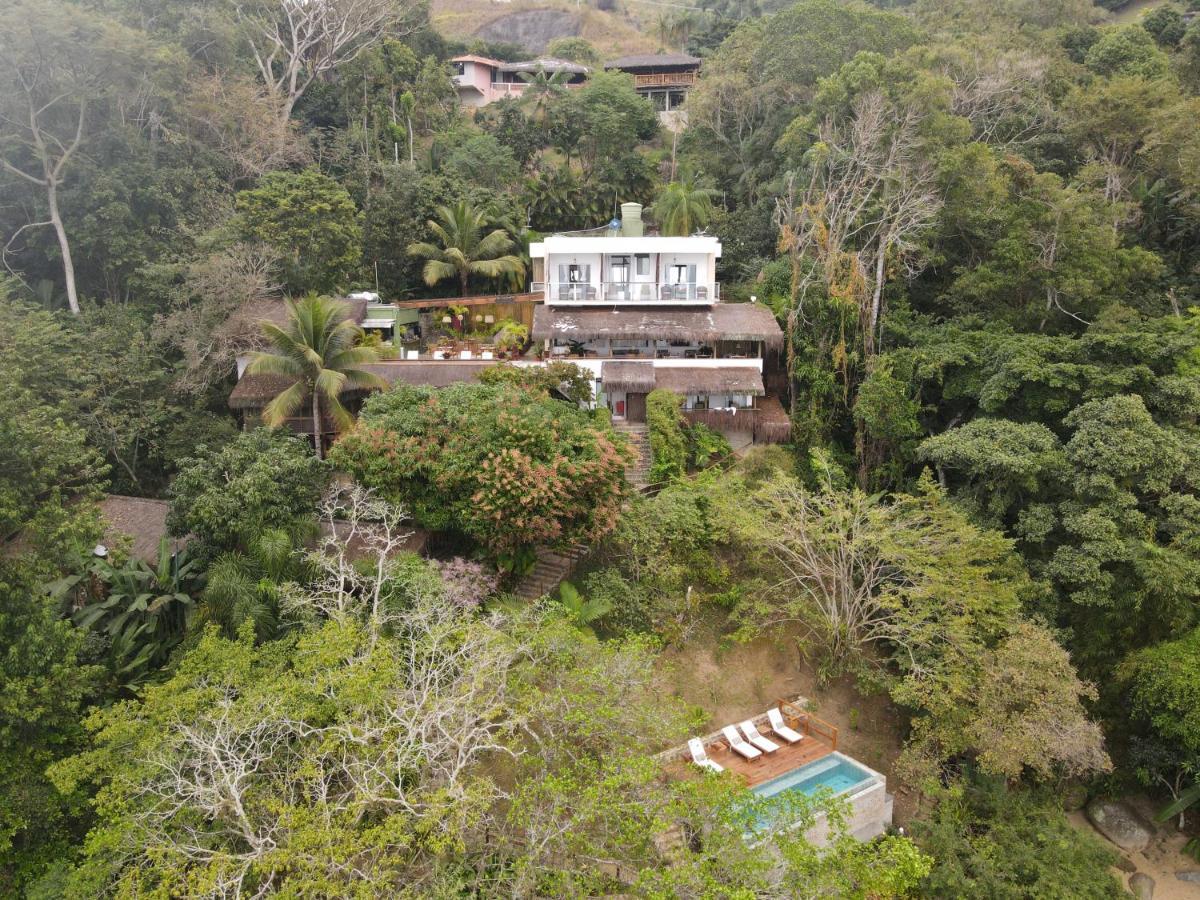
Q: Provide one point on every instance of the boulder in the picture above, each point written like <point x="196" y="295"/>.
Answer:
<point x="1121" y="824"/>
<point x="1192" y="876"/>
<point x="1141" y="886"/>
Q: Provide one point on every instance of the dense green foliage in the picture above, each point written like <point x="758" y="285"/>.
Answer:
<point x="311" y="221"/>
<point x="260" y="480"/>
<point x="976" y="222"/>
<point x="664" y="426"/>
<point x="992" y="842"/>
<point x="44" y="685"/>
<point x="509" y="468"/>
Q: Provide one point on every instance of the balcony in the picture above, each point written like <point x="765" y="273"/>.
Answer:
<point x="508" y="88"/>
<point x="664" y="80"/>
<point x="623" y="293"/>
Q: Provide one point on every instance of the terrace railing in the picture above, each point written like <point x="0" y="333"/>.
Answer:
<point x="664" y="79"/>
<point x="807" y="723"/>
<point x="629" y="292"/>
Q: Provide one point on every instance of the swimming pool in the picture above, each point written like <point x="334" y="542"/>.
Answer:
<point x="836" y="773"/>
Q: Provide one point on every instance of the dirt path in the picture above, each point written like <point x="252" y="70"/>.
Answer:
<point x="1161" y="860"/>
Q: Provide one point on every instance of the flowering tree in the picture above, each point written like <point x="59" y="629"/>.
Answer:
<point x="508" y="467"/>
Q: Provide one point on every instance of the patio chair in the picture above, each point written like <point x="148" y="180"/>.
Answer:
<point x="701" y="293"/>
<point x="752" y="735"/>
<point x="738" y="744"/>
<point x="592" y="293"/>
<point x="664" y="292"/>
<point x="775" y="717"/>
<point x="700" y="758"/>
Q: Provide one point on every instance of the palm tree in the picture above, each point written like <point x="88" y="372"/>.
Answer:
<point x="319" y="350"/>
<point x="542" y="89"/>
<point x="465" y="250"/>
<point x="683" y="207"/>
<point x="579" y="611"/>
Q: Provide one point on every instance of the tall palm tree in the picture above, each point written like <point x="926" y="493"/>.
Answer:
<point x="319" y="349"/>
<point x="542" y="88"/>
<point x="683" y="207"/>
<point x="465" y="250"/>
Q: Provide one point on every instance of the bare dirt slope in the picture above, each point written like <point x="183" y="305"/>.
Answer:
<point x="732" y="681"/>
<point x="534" y="23"/>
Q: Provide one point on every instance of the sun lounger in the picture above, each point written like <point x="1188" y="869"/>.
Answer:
<point x="700" y="758"/>
<point x="738" y="744"/>
<point x="775" y="717"/>
<point x="752" y="735"/>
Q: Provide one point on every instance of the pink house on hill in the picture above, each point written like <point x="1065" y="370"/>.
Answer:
<point x="481" y="80"/>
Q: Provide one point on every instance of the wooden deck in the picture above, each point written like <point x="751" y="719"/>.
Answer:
<point x="820" y="739"/>
<point x="771" y="765"/>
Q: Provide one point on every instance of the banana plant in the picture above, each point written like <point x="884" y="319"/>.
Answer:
<point x="142" y="610"/>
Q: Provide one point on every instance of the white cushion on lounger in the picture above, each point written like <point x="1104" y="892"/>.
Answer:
<point x="776" y="719"/>
<point x="738" y="744"/>
<point x="752" y="735"/>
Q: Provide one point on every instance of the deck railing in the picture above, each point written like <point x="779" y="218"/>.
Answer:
<point x="807" y="723"/>
<point x="664" y="79"/>
<point x="630" y="292"/>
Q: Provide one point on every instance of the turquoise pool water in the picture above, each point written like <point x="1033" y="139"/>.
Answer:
<point x="835" y="772"/>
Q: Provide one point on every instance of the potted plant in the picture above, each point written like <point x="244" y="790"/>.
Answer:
<point x="510" y="337"/>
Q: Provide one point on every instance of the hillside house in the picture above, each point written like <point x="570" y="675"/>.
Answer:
<point x="481" y="80"/>
<point x="664" y="79"/>
<point x="637" y="311"/>
<point x="643" y="312"/>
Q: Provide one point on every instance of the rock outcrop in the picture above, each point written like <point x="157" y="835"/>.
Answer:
<point x="1121" y="824"/>
<point x="532" y="29"/>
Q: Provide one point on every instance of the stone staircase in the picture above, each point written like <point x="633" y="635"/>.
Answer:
<point x="638" y="474"/>
<point x="552" y="568"/>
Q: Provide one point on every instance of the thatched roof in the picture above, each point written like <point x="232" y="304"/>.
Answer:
<point x="772" y="423"/>
<point x="142" y="520"/>
<point x="721" y="322"/>
<point x="255" y="391"/>
<point x="624" y="375"/>
<point x="245" y="324"/>
<point x="710" y="379"/>
<point x="654" y="61"/>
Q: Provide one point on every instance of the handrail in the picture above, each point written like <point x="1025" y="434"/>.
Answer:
<point x="796" y="717"/>
<point x="664" y="79"/>
<point x="629" y="292"/>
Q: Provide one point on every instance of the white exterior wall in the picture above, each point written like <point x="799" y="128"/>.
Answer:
<point x="662" y="256"/>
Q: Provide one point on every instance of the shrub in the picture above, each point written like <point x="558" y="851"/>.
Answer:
<point x="668" y="444"/>
<point x="706" y="446"/>
<point x="262" y="479"/>
<point x="465" y="582"/>
<point x="508" y="467"/>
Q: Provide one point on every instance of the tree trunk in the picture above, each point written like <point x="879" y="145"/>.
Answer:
<point x="316" y="417"/>
<point x="63" y="245"/>
<point x="411" y="149"/>
<point x="464" y="278"/>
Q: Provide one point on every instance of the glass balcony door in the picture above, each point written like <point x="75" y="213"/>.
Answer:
<point x="619" y="277"/>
